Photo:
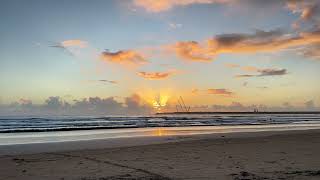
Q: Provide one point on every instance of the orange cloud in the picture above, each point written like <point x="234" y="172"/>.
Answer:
<point x="220" y="92"/>
<point x="164" y="5"/>
<point x="260" y="41"/>
<point x="191" y="50"/>
<point x="126" y="57"/>
<point x="155" y="75"/>
<point x="74" y="43"/>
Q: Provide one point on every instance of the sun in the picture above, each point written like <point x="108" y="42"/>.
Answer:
<point x="159" y="102"/>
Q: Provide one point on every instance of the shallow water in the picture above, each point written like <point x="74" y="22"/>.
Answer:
<point x="81" y="135"/>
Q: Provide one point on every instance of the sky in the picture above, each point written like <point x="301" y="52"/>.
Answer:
<point x="140" y="56"/>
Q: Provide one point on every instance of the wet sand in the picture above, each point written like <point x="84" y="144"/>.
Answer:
<point x="255" y="155"/>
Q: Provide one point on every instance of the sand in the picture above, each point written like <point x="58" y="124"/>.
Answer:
<point x="258" y="155"/>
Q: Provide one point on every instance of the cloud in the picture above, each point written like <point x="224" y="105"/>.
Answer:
<point x="70" y="46"/>
<point x="102" y="81"/>
<point x="96" y="106"/>
<point x="135" y="104"/>
<point x="108" y="81"/>
<point x="54" y="102"/>
<point x="237" y="106"/>
<point x="312" y="51"/>
<point x="244" y="76"/>
<point x="156" y="6"/>
<point x="264" y="72"/>
<point x="23" y="101"/>
<point x="74" y="43"/>
<point x="310" y="104"/>
<point x="156" y="75"/>
<point x="272" y="72"/>
<point x="260" y="41"/>
<point x="309" y="10"/>
<point x="71" y="43"/>
<point x="224" y="92"/>
<point x="124" y="57"/>
<point x="191" y="50"/>
<point x="261" y="72"/>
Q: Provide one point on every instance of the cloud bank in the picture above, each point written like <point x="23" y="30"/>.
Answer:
<point x="55" y="106"/>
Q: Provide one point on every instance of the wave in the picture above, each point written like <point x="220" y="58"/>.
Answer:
<point x="42" y="124"/>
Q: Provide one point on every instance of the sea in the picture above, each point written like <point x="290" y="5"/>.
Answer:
<point x="16" y="124"/>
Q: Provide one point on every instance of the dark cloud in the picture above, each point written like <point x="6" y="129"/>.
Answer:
<point x="191" y="50"/>
<point x="108" y="81"/>
<point x="54" y="102"/>
<point x="244" y="75"/>
<point x="135" y="104"/>
<point x="96" y="106"/>
<point x="224" y="92"/>
<point x="265" y="72"/>
<point x="272" y="72"/>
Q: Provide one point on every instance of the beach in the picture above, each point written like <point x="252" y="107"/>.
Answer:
<point x="292" y="154"/>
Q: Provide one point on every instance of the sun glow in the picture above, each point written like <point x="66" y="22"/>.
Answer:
<point x="159" y="132"/>
<point x="159" y="102"/>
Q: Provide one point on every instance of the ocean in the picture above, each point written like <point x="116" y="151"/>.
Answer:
<point x="14" y="124"/>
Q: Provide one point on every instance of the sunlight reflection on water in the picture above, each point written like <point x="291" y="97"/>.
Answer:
<point x="62" y="136"/>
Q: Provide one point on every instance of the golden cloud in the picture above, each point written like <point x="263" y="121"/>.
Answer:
<point x="260" y="41"/>
<point x="74" y="43"/>
<point x="126" y="57"/>
<point x="192" y="51"/>
<point x="164" y="5"/>
<point x="155" y="75"/>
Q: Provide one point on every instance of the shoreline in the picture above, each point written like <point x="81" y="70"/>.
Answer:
<point x="289" y="154"/>
<point x="30" y="143"/>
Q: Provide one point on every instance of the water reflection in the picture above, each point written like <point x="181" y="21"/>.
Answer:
<point x="62" y="136"/>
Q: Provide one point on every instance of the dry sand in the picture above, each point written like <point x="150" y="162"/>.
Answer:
<point x="260" y="155"/>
